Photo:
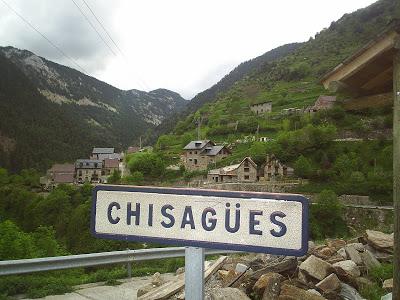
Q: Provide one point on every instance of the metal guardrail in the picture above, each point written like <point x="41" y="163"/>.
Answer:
<point x="22" y="266"/>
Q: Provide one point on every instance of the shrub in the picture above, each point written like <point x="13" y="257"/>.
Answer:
<point x="326" y="216"/>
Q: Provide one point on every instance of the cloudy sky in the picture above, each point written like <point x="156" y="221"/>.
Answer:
<point x="182" y="45"/>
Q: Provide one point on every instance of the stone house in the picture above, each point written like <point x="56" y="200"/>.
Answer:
<point x="199" y="154"/>
<point x="103" y="153"/>
<point x="261" y="108"/>
<point x="89" y="170"/>
<point x="58" y="174"/>
<point x="273" y="168"/>
<point x="245" y="171"/>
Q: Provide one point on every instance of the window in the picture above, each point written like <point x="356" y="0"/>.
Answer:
<point x="190" y="159"/>
<point x="247" y="170"/>
<point x="246" y="177"/>
<point x="190" y="152"/>
<point x="95" y="165"/>
<point x="195" y="161"/>
<point x="195" y="152"/>
<point x="246" y="163"/>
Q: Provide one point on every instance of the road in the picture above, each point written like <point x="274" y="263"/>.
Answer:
<point x="98" y="291"/>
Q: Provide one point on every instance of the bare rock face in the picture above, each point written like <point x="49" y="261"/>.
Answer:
<point x="380" y="240"/>
<point x="369" y="260"/>
<point x="290" y="292"/>
<point x="228" y="294"/>
<point x="329" y="284"/>
<point x="268" y="285"/>
<point x="347" y="268"/>
<point x="316" y="267"/>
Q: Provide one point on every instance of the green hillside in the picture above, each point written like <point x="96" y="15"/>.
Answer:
<point x="293" y="82"/>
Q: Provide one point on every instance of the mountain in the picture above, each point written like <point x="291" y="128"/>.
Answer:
<point x="290" y="80"/>
<point x="240" y="72"/>
<point x="50" y="112"/>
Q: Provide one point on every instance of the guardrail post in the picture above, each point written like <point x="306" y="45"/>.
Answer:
<point x="194" y="273"/>
<point x="129" y="269"/>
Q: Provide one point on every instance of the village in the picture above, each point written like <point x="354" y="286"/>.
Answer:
<point x="197" y="155"/>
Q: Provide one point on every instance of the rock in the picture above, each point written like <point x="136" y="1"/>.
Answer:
<point x="387" y="297"/>
<point x="257" y="263"/>
<point x="228" y="294"/>
<point x="358" y="246"/>
<point x="316" y="267"/>
<point x="349" y="293"/>
<point x="311" y="246"/>
<point x="241" y="268"/>
<point x="303" y="277"/>
<point x="314" y="292"/>
<point x="353" y="254"/>
<point x="144" y="290"/>
<point x="380" y="240"/>
<point x="388" y="285"/>
<point x="222" y="274"/>
<point x="268" y="285"/>
<point x="342" y="253"/>
<point x="228" y="277"/>
<point x="283" y="265"/>
<point x="336" y="243"/>
<point x="334" y="259"/>
<point x="180" y="270"/>
<point x="290" y="292"/>
<point x="326" y="251"/>
<point x="346" y="268"/>
<point x="156" y="279"/>
<point x="369" y="260"/>
<point x="380" y="256"/>
<point x="329" y="284"/>
<point x="363" y="282"/>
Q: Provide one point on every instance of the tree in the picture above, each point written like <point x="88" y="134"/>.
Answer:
<point x="115" y="177"/>
<point x="150" y="165"/>
<point x="303" y="167"/>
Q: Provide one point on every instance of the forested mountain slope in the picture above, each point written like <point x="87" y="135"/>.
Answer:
<point x="50" y="112"/>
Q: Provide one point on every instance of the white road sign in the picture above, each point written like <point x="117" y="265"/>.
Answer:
<point x="244" y="221"/>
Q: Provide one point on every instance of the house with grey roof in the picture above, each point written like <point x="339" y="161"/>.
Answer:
<point x="104" y="153"/>
<point x="89" y="170"/>
<point x="198" y="155"/>
<point x="245" y="171"/>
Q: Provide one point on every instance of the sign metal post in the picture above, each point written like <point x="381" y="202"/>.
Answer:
<point x="194" y="273"/>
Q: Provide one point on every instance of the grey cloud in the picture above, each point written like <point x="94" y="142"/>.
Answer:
<point x="64" y="25"/>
